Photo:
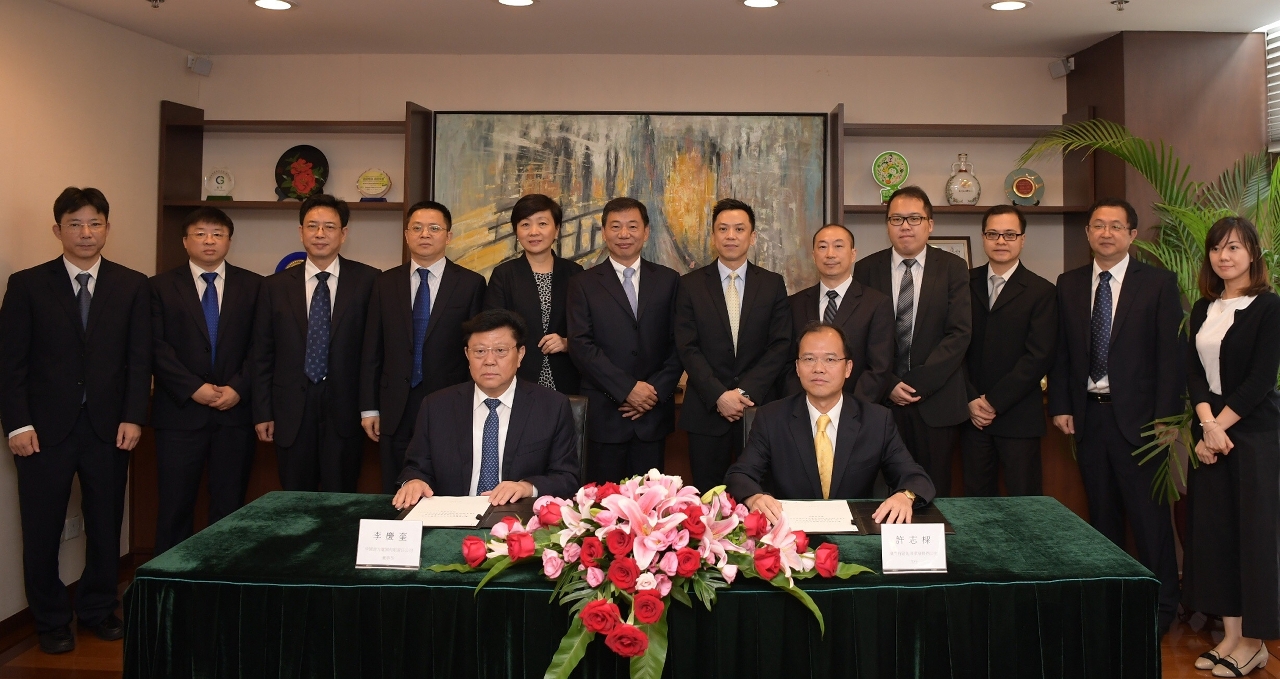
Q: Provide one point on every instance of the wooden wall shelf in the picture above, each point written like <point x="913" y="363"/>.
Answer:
<point x="924" y="130"/>
<point x="971" y="209"/>
<point x="285" y="205"/>
<point x="307" y="126"/>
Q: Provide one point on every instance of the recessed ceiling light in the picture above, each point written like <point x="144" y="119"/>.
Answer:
<point x="516" y="3"/>
<point x="760" y="3"/>
<point x="274" y="4"/>
<point x="1008" y="5"/>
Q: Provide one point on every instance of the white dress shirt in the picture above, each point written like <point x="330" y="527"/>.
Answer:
<point x="1221" y="316"/>
<point x="840" y="289"/>
<point x="896" y="272"/>
<point x="433" y="279"/>
<point x="991" y="288"/>
<point x="834" y="414"/>
<point x="480" y="413"/>
<point x="635" y="275"/>
<point x="311" y="271"/>
<point x="1103" y="386"/>
<point x="724" y="278"/>
<point x="219" y="283"/>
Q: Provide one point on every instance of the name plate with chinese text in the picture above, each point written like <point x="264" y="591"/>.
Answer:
<point x="913" y="548"/>
<point x="389" y="544"/>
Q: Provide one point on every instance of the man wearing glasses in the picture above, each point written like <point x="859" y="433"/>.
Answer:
<point x="1119" y="366"/>
<point x="413" y="337"/>
<point x="496" y="435"/>
<point x="930" y="292"/>
<point x="818" y="444"/>
<point x="306" y="356"/>
<point x="1015" y="328"/>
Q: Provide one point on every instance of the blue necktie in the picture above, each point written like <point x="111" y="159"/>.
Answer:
<point x="209" y="302"/>
<point x="489" y="449"/>
<point x="318" y="322"/>
<point x="1100" y="328"/>
<point x="630" y="288"/>
<point x="421" y="314"/>
<point x="83" y="297"/>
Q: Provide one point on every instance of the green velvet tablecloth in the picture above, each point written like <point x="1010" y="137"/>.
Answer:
<point x="271" y="591"/>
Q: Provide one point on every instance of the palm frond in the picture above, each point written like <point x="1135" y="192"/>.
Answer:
<point x="1243" y="189"/>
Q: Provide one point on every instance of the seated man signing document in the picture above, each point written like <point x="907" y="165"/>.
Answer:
<point x="824" y="444"/>
<point x="496" y="435"/>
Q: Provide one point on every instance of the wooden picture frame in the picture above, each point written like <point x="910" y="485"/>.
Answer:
<point x="957" y="245"/>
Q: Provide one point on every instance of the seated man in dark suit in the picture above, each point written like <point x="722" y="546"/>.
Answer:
<point x="521" y="442"/>
<point x="821" y="445"/>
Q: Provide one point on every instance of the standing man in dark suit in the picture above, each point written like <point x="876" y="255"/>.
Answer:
<point x="622" y="340"/>
<point x="75" y="376"/>
<point x="496" y="435"/>
<point x="202" y="321"/>
<point x="1119" y="367"/>
<point x="413" y="338"/>
<point x="307" y="345"/>
<point x="865" y="316"/>
<point x="930" y="291"/>
<point x="733" y="333"/>
<point x="1015" y="329"/>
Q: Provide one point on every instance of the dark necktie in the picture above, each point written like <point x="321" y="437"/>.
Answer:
<point x="421" y="314"/>
<point x="489" y="449"/>
<point x="318" y="321"/>
<point x="906" y="317"/>
<point x="829" y="314"/>
<point x="83" y="297"/>
<point x="209" y="302"/>
<point x="1100" y="328"/>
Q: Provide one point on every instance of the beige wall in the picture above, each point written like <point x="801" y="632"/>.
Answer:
<point x="78" y="106"/>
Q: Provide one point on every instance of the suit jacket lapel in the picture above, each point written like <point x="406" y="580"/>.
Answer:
<point x="882" y="274"/>
<point x="809" y="303"/>
<point x="187" y="292"/>
<point x="63" y="291"/>
<point x="749" y="294"/>
<point x="297" y="295"/>
<point x="527" y="293"/>
<point x="342" y="301"/>
<point x="448" y="281"/>
<point x="802" y="433"/>
<point x="852" y="297"/>
<point x="1013" y="287"/>
<point x="521" y="404"/>
<point x="614" y="286"/>
<point x="644" y="296"/>
<point x="1134" y="279"/>
<point x="463" y="417"/>
<point x="401" y="303"/>
<point x="717" y="298"/>
<point x="102" y="291"/>
<point x="846" y="437"/>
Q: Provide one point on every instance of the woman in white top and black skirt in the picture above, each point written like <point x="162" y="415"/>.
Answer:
<point x="1232" y="558"/>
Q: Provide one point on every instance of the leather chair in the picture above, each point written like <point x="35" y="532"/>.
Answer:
<point x="579" y="406"/>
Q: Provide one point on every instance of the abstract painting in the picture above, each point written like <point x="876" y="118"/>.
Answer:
<point x="678" y="165"/>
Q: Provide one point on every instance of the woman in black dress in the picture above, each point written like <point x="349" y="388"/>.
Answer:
<point x="536" y="286"/>
<point x="1232" y="559"/>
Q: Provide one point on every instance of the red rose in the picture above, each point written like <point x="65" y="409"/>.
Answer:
<point x="600" y="616"/>
<point x="756" y="525"/>
<point x="473" y="550"/>
<point x="619" y="542"/>
<point x="304" y="183"/>
<point x="690" y="561"/>
<point x="511" y="521"/>
<point x="693" y="521"/>
<point x="802" y="541"/>
<point x="627" y="641"/>
<point x="519" y="545"/>
<point x="623" y="573"/>
<point x="647" y="606"/>
<point x="591" y="551"/>
<point x="299" y="166"/>
<point x="768" y="561"/>
<point x="549" y="515"/>
<point x="609" y="488"/>
<point x="827" y="559"/>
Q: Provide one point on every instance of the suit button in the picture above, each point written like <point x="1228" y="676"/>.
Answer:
<point x="633" y="353"/>
<point x="80" y="383"/>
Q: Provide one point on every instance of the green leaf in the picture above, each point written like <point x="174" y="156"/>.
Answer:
<point x="706" y="497"/>
<point x="780" y="581"/>
<point x="845" y="570"/>
<point x="572" y="647"/>
<point x="649" y="665"/>
<point x="454" y="567"/>
<point x="502" y="564"/>
<point x="679" y="594"/>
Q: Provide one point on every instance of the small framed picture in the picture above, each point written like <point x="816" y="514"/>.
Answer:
<point x="956" y="245"/>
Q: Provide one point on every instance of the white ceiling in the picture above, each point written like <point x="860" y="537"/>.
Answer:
<point x="833" y="27"/>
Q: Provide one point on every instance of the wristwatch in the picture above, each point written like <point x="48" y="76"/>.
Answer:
<point x="910" y="495"/>
<point x="744" y="394"/>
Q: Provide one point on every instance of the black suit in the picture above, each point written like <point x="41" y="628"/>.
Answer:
<point x="943" y="325"/>
<point x="614" y="349"/>
<point x="1011" y="351"/>
<point x="781" y="449"/>
<point x="75" y="386"/>
<point x="866" y="318"/>
<point x="388" y="353"/>
<point x="317" y="426"/>
<point x="188" y="434"/>
<point x="541" y="441"/>
<point x="512" y="287"/>
<point x="705" y="346"/>
<point x="1146" y="371"/>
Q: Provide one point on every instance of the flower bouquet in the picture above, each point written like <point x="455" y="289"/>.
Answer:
<point x="638" y="546"/>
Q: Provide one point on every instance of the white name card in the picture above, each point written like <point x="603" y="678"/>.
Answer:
<point x="913" y="548"/>
<point x="389" y="544"/>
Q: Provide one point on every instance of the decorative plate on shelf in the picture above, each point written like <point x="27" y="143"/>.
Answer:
<point x="301" y="173"/>
<point x="890" y="170"/>
<point x="1024" y="187"/>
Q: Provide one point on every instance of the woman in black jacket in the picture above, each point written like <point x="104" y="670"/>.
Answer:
<point x="536" y="286"/>
<point x="1232" y="559"/>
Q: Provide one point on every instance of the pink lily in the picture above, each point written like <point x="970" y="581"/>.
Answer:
<point x="784" y="540"/>
<point x="652" y="534"/>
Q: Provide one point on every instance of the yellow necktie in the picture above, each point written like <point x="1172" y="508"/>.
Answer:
<point x="822" y="446"/>
<point x="734" y="305"/>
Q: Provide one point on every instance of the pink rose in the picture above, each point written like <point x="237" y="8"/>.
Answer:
<point x="552" y="564"/>
<point x="571" y="551"/>
<point x="729" y="572"/>
<point x="664" y="584"/>
<point x="595" y="576"/>
<point x="670" y="563"/>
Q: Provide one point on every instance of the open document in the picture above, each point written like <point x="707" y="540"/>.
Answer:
<point x="449" y="512"/>
<point x="819" y="516"/>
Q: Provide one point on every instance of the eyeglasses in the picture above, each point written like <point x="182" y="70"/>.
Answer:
<point x="434" y="229"/>
<point x="86" y="226"/>
<point x="482" y="352"/>
<point x="1113" y="227"/>
<point x="328" y="229"/>
<point x="809" y="361"/>
<point x="1008" y="236"/>
<point x="913" y="220"/>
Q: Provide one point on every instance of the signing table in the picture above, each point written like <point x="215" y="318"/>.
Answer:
<point x="272" y="591"/>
